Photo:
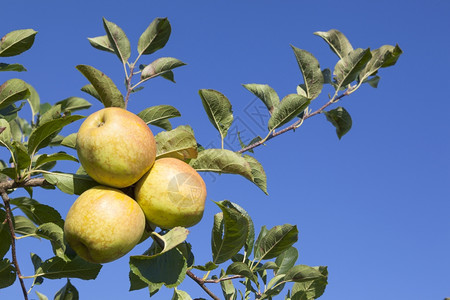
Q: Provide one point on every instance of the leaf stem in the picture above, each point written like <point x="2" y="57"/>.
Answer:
<point x="9" y="217"/>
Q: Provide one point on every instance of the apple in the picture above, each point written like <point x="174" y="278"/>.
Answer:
<point x="171" y="194"/>
<point x="115" y="147"/>
<point x="104" y="224"/>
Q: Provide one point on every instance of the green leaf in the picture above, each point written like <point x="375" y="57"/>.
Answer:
<point x="311" y="289"/>
<point x="148" y="268"/>
<point x="340" y="119"/>
<point x="301" y="273"/>
<point x="118" y="40"/>
<point x="228" y="289"/>
<point x="337" y="42"/>
<point x="135" y="282"/>
<point x="173" y="238"/>
<point x="259" y="175"/>
<point x="248" y="247"/>
<point x="180" y="295"/>
<point x="164" y="124"/>
<point x="383" y="57"/>
<point x="7" y="273"/>
<point x="52" y="114"/>
<point x="373" y="82"/>
<point x="101" y="43"/>
<point x="229" y="233"/>
<point x="276" y="241"/>
<point x="72" y="104"/>
<point x="218" y="109"/>
<point x="240" y="268"/>
<point x="55" y="235"/>
<point x="70" y="141"/>
<point x="222" y="161"/>
<point x="56" y="268"/>
<point x="157" y="113"/>
<point x="89" y="89"/>
<point x="5" y="134"/>
<point x="311" y="72"/>
<point x="37" y="212"/>
<point x="264" y="92"/>
<point x="155" y="36"/>
<point x="21" y="157"/>
<point x="107" y="91"/>
<point x="209" y="266"/>
<point x="39" y="137"/>
<point x="5" y="236"/>
<point x="34" y="100"/>
<point x="70" y="183"/>
<point x="12" y="91"/>
<point x="12" y="67"/>
<point x="44" y="158"/>
<point x="261" y="234"/>
<point x="288" y="109"/>
<point x="286" y="260"/>
<point x="348" y="68"/>
<point x="67" y="292"/>
<point x="23" y="225"/>
<point x="178" y="143"/>
<point x="41" y="296"/>
<point x="16" y="42"/>
<point x="9" y="113"/>
<point x="274" y="287"/>
<point x="160" y="66"/>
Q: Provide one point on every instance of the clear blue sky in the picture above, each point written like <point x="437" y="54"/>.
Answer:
<point x="374" y="206"/>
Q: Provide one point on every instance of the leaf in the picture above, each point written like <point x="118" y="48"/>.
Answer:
<point x="258" y="173"/>
<point x="274" y="287"/>
<point x="228" y="289"/>
<point x="107" y="91"/>
<point x="70" y="141"/>
<point x="21" y="157"/>
<point x="178" y="143"/>
<point x="301" y="273"/>
<point x="118" y="40"/>
<point x="23" y="226"/>
<point x="276" y="241"/>
<point x="16" y="42"/>
<point x="222" y="161"/>
<point x="56" y="268"/>
<point x="264" y="92"/>
<point x="160" y="66"/>
<point x="286" y="260"/>
<point x="101" y="43"/>
<point x="12" y="91"/>
<point x="89" y="89"/>
<point x="340" y="119"/>
<point x="5" y="134"/>
<point x="180" y="295"/>
<point x="347" y="69"/>
<point x="55" y="235"/>
<point x="383" y="57"/>
<point x="44" y="158"/>
<point x="5" y="236"/>
<point x="34" y="100"/>
<point x="52" y="114"/>
<point x="155" y="36"/>
<point x="240" y="268"/>
<point x="37" y="212"/>
<point x="67" y="292"/>
<point x="7" y="273"/>
<point x="9" y="113"/>
<point x="72" y="104"/>
<point x="39" y="135"/>
<point x="70" y="183"/>
<point x="173" y="238"/>
<point x="229" y="233"/>
<point x="288" y="109"/>
<point x="148" y="268"/>
<point x="373" y="82"/>
<point x="311" y="72"/>
<point x="312" y="289"/>
<point x="135" y="282"/>
<point x="209" y="266"/>
<point x="157" y="113"/>
<point x="218" y="109"/>
<point x="164" y="124"/>
<point x="337" y="42"/>
<point x="12" y="67"/>
<point x="41" y="296"/>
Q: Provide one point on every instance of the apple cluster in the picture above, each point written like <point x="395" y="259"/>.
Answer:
<point x="118" y="150"/>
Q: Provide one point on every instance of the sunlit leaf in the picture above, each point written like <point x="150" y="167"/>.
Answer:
<point x="340" y="119"/>
<point x="56" y="268"/>
<point x="160" y="66"/>
<point x="41" y="296"/>
<point x="45" y="158"/>
<point x="259" y="175"/>
<point x="72" y="104"/>
<point x="218" y="109"/>
<point x="178" y="143"/>
<point x="37" y="212"/>
<point x="101" y="43"/>
<point x="118" y="40"/>
<point x="55" y="235"/>
<point x="173" y="238"/>
<point x="276" y="241"/>
<point x="382" y="57"/>
<point x="67" y="292"/>
<point x="13" y="90"/>
<point x="288" y="109"/>
<point x="23" y="225"/>
<point x="337" y="42"/>
<point x="209" y="266"/>
<point x="180" y="295"/>
<point x="157" y="113"/>
<point x="12" y="67"/>
<point x="347" y="69"/>
<point x="311" y="72"/>
<point x="70" y="141"/>
<point x="311" y="289"/>
<point x="89" y="89"/>
<point x="70" y="183"/>
<point x="34" y="100"/>
<point x="240" y="268"/>
<point x="155" y="36"/>
<point x="301" y="273"/>
<point x="107" y="91"/>
<point x="16" y="42"/>
<point x="264" y="92"/>
<point x="286" y="260"/>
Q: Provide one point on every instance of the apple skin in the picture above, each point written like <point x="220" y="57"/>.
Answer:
<point x="104" y="224"/>
<point x="171" y="194"/>
<point x="115" y="147"/>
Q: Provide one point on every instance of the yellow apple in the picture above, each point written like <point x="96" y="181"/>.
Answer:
<point x="115" y="147"/>
<point x="171" y="194"/>
<point x="104" y="224"/>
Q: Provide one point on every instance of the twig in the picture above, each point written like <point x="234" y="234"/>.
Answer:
<point x="223" y="279"/>
<point x="6" y="199"/>
<point x="201" y="283"/>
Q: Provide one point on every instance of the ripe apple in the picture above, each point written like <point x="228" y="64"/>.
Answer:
<point x="171" y="194"/>
<point x="115" y="147"/>
<point x="104" y="224"/>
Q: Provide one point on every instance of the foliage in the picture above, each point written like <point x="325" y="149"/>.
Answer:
<point x="264" y="262"/>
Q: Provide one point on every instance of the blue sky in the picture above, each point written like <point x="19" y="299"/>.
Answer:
<point x="373" y="206"/>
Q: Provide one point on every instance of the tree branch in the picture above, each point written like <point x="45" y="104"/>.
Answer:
<point x="9" y="217"/>
<point x="223" y="279"/>
<point x="201" y="283"/>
